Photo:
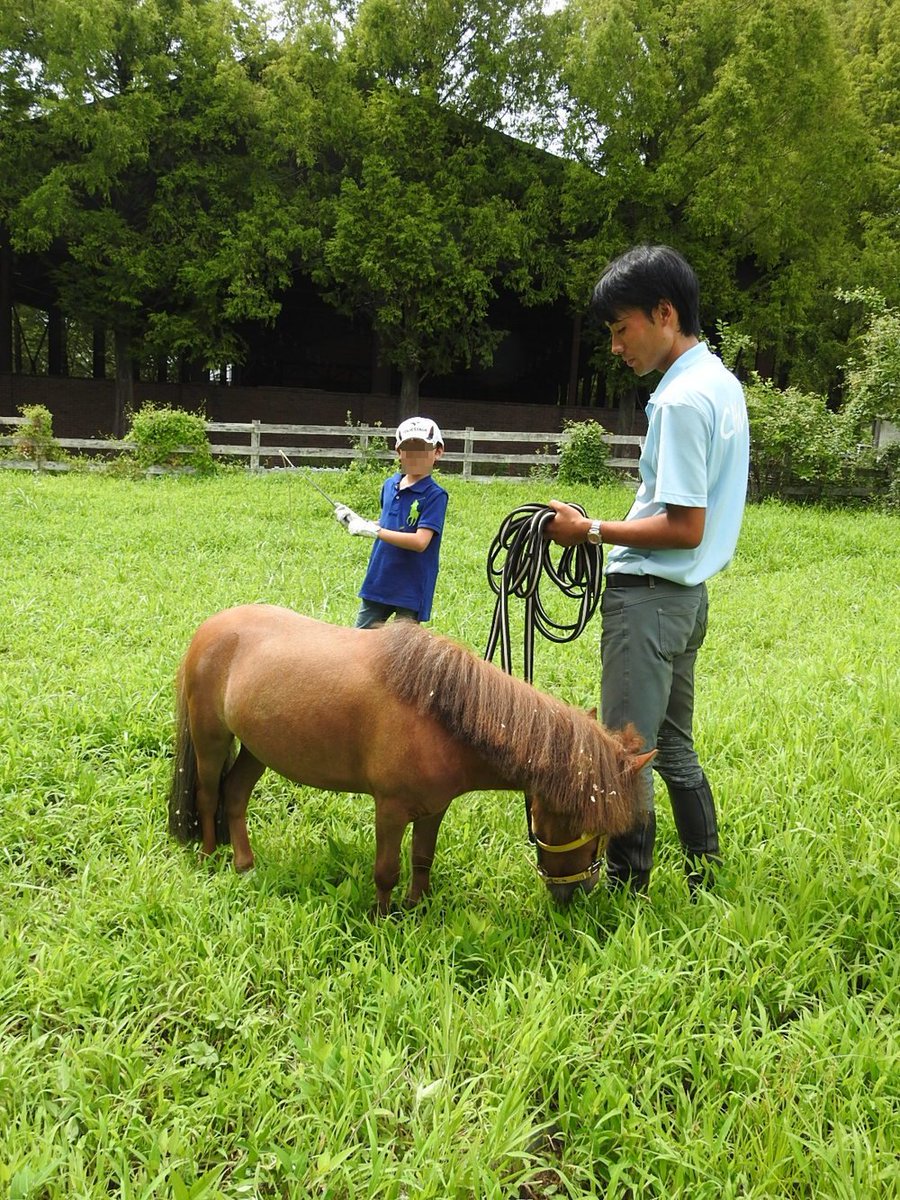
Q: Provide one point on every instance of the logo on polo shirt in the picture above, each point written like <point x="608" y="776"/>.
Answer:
<point x="413" y="513"/>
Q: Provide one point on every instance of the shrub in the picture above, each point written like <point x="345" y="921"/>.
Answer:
<point x="369" y="450"/>
<point x="888" y="462"/>
<point x="584" y="454"/>
<point x="873" y="375"/>
<point x="34" y="439"/>
<point x="170" y="437"/>
<point x="795" y="440"/>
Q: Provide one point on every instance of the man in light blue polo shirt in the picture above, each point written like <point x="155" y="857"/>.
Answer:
<point x="682" y="529"/>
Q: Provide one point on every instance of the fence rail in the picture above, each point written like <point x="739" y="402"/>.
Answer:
<point x="310" y="444"/>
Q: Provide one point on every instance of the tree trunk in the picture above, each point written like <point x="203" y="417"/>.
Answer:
<point x="56" y="342"/>
<point x="98" y="353"/>
<point x="574" y="358"/>
<point x="6" y="341"/>
<point x="124" y="382"/>
<point x="627" y="410"/>
<point x="409" y="393"/>
<point x="380" y="374"/>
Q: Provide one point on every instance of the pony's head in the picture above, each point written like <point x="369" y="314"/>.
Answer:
<point x="570" y="836"/>
<point x="582" y="780"/>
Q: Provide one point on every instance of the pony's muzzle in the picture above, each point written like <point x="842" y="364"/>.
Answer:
<point x="562" y="893"/>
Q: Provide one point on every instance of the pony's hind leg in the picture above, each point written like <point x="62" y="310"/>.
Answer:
<point x="211" y="762"/>
<point x="239" y="782"/>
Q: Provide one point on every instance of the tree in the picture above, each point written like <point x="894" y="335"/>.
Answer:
<point x="134" y="133"/>
<point x="726" y="129"/>
<point x="870" y="31"/>
<point x="424" y="211"/>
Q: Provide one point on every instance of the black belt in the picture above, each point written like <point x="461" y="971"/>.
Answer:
<point x="617" y="579"/>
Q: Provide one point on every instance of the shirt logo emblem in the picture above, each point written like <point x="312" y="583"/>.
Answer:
<point x="413" y="513"/>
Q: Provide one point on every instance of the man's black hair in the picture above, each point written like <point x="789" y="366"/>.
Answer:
<point x="641" y="278"/>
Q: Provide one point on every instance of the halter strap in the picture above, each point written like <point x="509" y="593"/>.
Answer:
<point x="580" y="875"/>
<point x="582" y="841"/>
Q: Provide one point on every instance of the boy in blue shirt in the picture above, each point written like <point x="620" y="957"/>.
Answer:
<point x="682" y="529"/>
<point x="403" y="565"/>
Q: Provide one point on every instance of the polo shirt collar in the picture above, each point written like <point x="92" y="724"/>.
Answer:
<point x="682" y="363"/>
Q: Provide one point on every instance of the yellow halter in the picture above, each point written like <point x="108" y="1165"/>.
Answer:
<point x="581" y="841"/>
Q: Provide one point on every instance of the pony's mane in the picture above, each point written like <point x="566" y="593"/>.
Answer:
<point x="558" y="752"/>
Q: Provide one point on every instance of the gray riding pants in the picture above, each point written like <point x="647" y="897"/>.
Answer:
<point x="648" y="648"/>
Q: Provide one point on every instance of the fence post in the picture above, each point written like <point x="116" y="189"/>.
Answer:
<point x="468" y="444"/>
<point x="254" y="446"/>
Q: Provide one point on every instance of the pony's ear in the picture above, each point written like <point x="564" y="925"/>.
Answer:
<point x="637" y="762"/>
<point x="592" y="713"/>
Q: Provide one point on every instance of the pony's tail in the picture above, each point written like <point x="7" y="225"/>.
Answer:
<point x="184" y="821"/>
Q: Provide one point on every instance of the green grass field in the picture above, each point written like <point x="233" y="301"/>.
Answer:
<point x="168" y="1029"/>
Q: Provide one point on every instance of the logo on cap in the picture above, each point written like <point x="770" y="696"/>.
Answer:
<point x="420" y="429"/>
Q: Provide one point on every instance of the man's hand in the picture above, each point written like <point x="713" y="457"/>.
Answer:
<point x="568" y="527"/>
<point x="361" y="528"/>
<point x="344" y="515"/>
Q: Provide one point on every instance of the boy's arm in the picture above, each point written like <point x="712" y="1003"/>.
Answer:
<point x="418" y="541"/>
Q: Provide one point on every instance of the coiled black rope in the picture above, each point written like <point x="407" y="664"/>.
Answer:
<point x="578" y="575"/>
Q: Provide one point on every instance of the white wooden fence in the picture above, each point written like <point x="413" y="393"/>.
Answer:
<point x="267" y="446"/>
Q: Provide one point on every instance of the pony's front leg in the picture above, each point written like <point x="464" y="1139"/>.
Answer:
<point x="390" y="823"/>
<point x="424" y="840"/>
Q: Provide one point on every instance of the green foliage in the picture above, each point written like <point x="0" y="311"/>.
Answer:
<point x="34" y="440"/>
<point x="725" y="129"/>
<point x="887" y="462"/>
<point x="796" y="440"/>
<point x="422" y="222"/>
<point x="370" y="450"/>
<point x="191" y="164"/>
<point x="171" y="437"/>
<point x="543" y="472"/>
<point x="873" y="377"/>
<point x="584" y="454"/>
<point x="734" y="343"/>
<point x="138" y="143"/>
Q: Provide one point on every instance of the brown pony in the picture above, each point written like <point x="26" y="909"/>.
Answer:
<point x="409" y="717"/>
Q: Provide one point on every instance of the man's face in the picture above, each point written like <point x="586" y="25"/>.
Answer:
<point x="645" y="343"/>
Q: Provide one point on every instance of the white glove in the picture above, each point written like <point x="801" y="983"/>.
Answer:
<point x="344" y="515"/>
<point x="360" y="528"/>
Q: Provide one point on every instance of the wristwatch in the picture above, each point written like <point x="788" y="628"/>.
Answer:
<point x="593" y="534"/>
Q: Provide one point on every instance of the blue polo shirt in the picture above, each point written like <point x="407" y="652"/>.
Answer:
<point x="406" y="578"/>
<point x="696" y="454"/>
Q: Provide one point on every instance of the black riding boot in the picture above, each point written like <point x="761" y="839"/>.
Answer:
<point x="629" y="858"/>
<point x="695" y="820"/>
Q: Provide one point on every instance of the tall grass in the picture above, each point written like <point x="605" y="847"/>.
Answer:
<point x="168" y="1029"/>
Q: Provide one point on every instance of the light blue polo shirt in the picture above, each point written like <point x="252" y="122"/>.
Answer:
<point x="696" y="454"/>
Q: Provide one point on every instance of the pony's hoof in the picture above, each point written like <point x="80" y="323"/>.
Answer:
<point x="244" y="868"/>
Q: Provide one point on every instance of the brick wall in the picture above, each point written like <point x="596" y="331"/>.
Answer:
<point x="84" y="408"/>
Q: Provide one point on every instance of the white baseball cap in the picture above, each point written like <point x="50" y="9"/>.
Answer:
<point x="423" y="429"/>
